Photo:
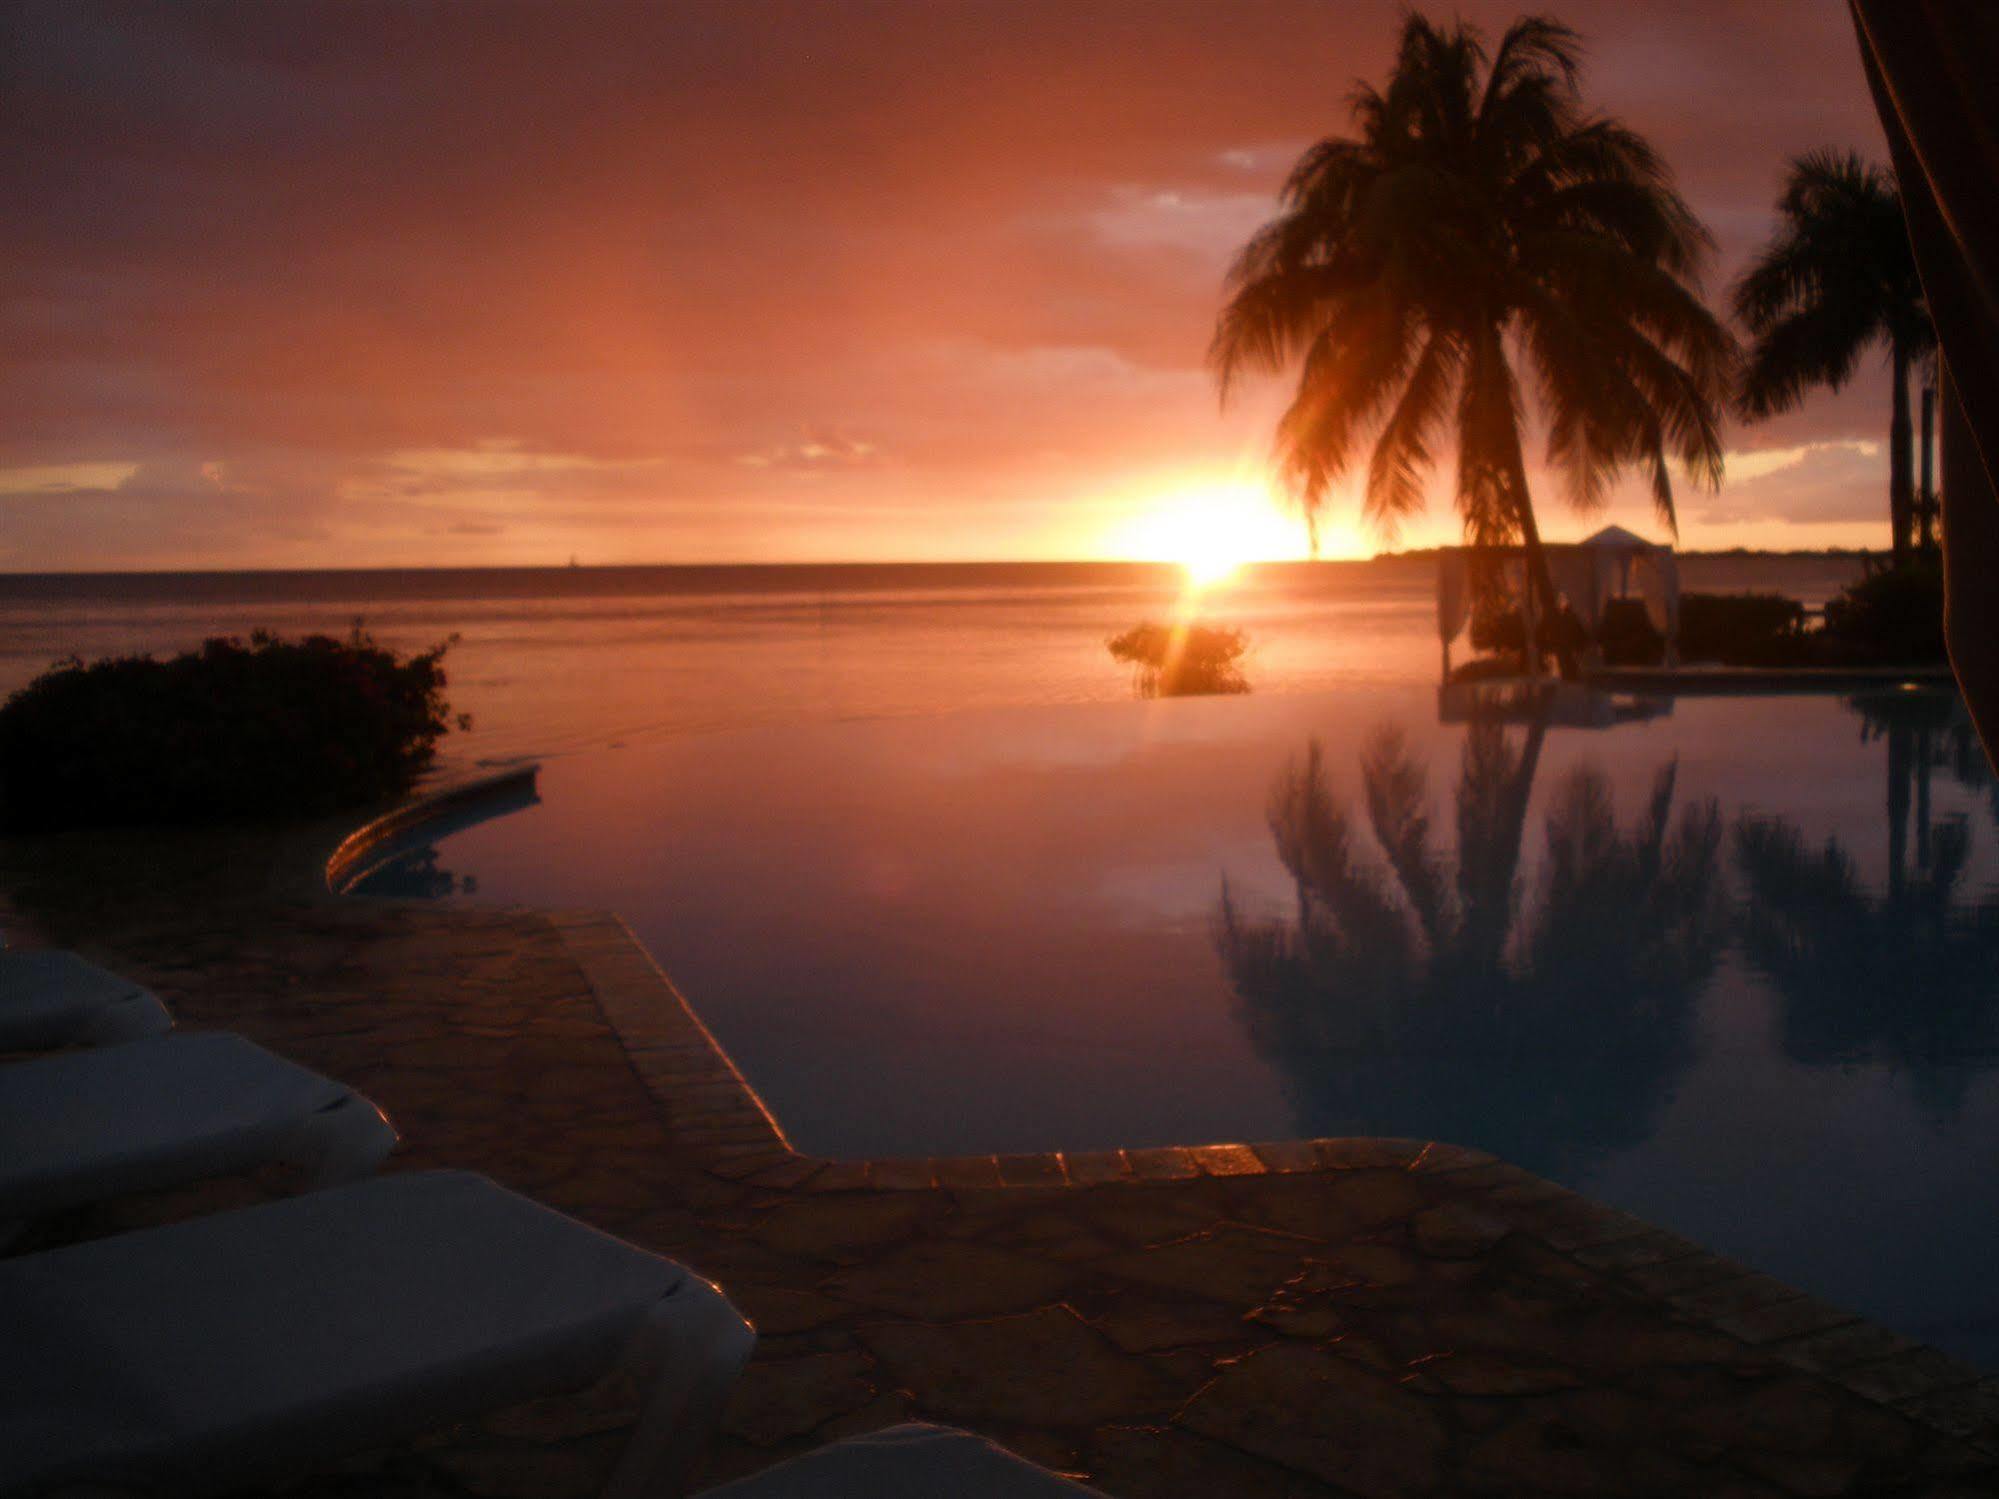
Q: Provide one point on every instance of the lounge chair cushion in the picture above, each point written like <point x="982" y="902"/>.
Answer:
<point x="210" y="1352"/>
<point x="914" y="1461"/>
<point x="82" y="1126"/>
<point x="51" y="997"/>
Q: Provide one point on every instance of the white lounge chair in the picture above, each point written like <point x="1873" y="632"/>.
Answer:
<point x="82" y="1126"/>
<point x="50" y="997"/>
<point x="225" y="1349"/>
<point x="906" y="1462"/>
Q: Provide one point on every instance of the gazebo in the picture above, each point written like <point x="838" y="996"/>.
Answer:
<point x="1587" y="574"/>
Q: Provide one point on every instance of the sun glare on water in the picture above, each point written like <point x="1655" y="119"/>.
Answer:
<point x="1212" y="530"/>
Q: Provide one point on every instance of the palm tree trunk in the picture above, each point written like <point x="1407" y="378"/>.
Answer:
<point x="1901" y="477"/>
<point x="1539" y="578"/>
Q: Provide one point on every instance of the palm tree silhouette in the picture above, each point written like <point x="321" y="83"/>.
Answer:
<point x="1412" y="984"/>
<point x="1480" y="206"/>
<point x="1837" y="278"/>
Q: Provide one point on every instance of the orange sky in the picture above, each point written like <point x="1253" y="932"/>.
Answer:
<point x="389" y="285"/>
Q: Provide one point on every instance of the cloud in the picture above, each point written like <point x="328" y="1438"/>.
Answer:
<point x="1208" y="225"/>
<point x="407" y="273"/>
<point x="65" y="478"/>
<point x="1812" y="483"/>
<point x="816" y="448"/>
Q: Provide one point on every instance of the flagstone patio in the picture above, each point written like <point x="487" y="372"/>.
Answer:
<point x="1299" y="1318"/>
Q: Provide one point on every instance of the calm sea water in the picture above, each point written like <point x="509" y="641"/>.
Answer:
<point x="940" y="884"/>
<point x="555" y="660"/>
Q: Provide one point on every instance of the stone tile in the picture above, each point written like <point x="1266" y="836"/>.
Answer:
<point x="1841" y="1347"/>
<point x="1231" y="1264"/>
<point x="830" y="1226"/>
<point x="967" y="1171"/>
<point x="1045" y="1368"/>
<point x="1175" y="1464"/>
<point x="1437" y="1158"/>
<point x="782" y="1398"/>
<point x="1326" y="1417"/>
<point x="842" y="1176"/>
<point x="1653" y="1247"/>
<point x="1042" y="1170"/>
<point x="1367" y="1264"/>
<point x="1676" y="1277"/>
<point x="1906" y="1376"/>
<point x="1090" y="1168"/>
<point x="1482" y="1374"/>
<point x="776" y="1312"/>
<point x="1789" y="1414"/>
<point x="1457" y="1230"/>
<point x="1167" y="1163"/>
<point x="1148" y="1214"/>
<point x="1287" y="1155"/>
<point x="1725" y="1298"/>
<point x="1783" y="1319"/>
<point x="793" y="1175"/>
<point x="1226" y="1160"/>
<point x="1328" y="1205"/>
<point x="949" y="1280"/>
<point x="1145" y="1324"/>
<point x="1967" y="1410"/>
<point x="1361" y="1152"/>
<point x="1538" y="1451"/>
<point x="903" y="1175"/>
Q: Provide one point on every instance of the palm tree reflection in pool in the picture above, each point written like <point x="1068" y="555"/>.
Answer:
<point x="1909" y="978"/>
<point x="1406" y="996"/>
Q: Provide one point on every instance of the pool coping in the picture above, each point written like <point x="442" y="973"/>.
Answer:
<point x="723" y="1127"/>
<point x="451" y="793"/>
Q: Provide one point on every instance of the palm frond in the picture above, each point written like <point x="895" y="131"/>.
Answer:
<point x="1403" y="449"/>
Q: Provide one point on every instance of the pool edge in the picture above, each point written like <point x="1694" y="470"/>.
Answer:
<point x="722" y="1126"/>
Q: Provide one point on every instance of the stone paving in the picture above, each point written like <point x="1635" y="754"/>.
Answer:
<point x="1300" y="1318"/>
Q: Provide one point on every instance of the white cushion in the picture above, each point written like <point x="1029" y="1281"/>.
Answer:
<point x="51" y="997"/>
<point x="82" y="1126"/>
<point x="207" y="1352"/>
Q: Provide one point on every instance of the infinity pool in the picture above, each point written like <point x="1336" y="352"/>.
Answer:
<point x="1735" y="968"/>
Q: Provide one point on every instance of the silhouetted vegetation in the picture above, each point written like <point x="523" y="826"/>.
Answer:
<point x="271" y="728"/>
<point x="1481" y="214"/>
<point x="1182" y="660"/>
<point x="1894" y="617"/>
<point x="1402" y="991"/>
<point x="1734" y="629"/>
<point x="1837" y="278"/>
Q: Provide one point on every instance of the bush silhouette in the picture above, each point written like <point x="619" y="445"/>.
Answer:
<point x="1182" y="661"/>
<point x="231" y="730"/>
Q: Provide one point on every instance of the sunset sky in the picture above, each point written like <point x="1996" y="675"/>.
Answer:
<point x="461" y="285"/>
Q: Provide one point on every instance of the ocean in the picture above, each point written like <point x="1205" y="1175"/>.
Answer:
<point x="551" y="661"/>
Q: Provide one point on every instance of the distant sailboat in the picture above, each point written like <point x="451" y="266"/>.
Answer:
<point x="572" y="560"/>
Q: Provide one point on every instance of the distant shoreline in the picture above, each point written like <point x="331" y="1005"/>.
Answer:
<point x="801" y="569"/>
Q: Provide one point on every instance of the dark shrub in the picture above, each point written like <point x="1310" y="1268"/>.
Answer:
<point x="1170" y="662"/>
<point x="272" y="728"/>
<point x="1740" y="629"/>
<point x="1894" y="618"/>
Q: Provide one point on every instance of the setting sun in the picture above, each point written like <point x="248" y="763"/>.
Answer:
<point x="1211" y="529"/>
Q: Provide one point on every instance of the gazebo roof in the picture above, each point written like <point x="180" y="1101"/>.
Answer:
<point x="1609" y="539"/>
<point x="1616" y="538"/>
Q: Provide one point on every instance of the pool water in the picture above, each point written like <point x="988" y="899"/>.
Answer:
<point x="1734" y="968"/>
